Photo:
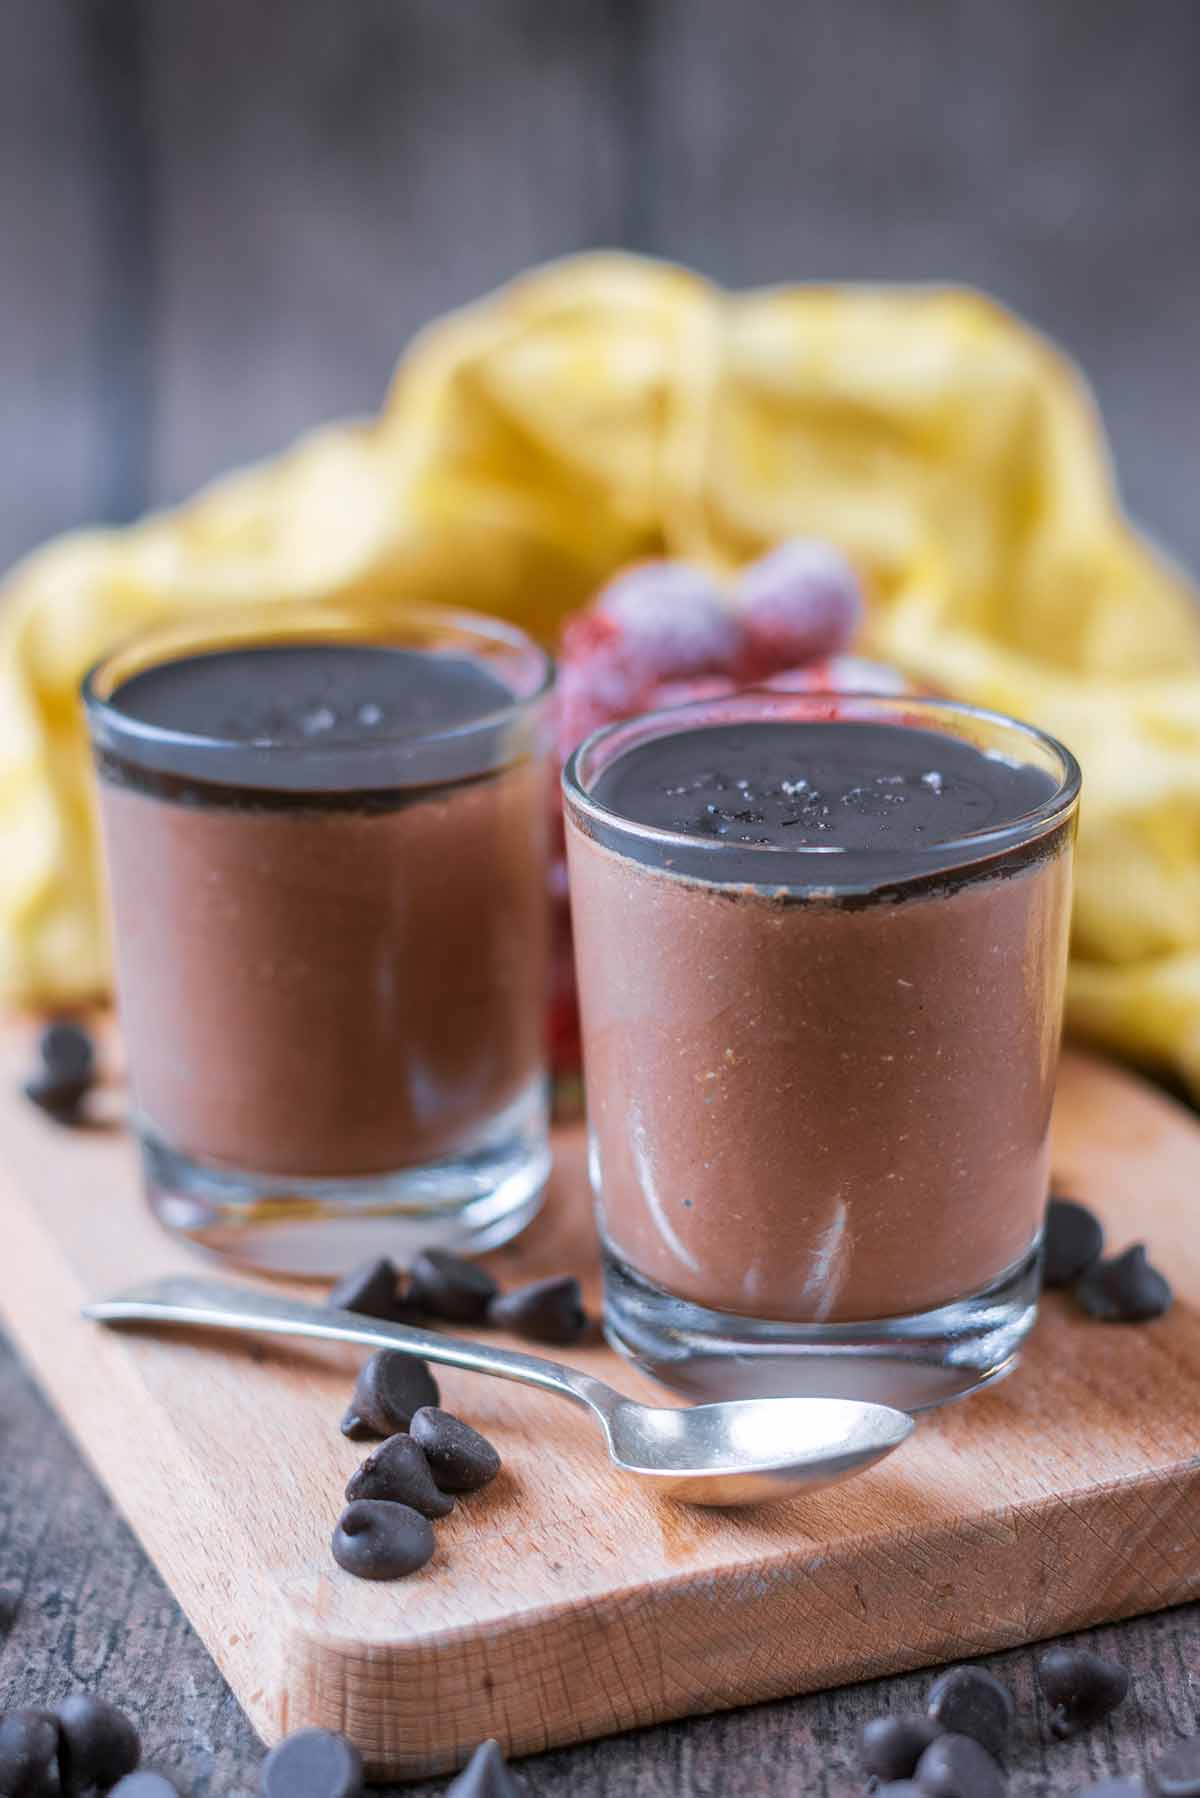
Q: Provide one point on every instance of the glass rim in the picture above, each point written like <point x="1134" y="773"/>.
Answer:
<point x="248" y="625"/>
<point x="974" y="845"/>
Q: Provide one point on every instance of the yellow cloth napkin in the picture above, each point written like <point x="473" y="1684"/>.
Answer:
<point x="609" y="407"/>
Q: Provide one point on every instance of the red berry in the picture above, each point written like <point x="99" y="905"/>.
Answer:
<point x="685" y="692"/>
<point x="597" y="680"/>
<point x="659" y="621"/>
<point x="799" y="603"/>
<point x="840" y="674"/>
<point x="673" y="620"/>
<point x="593" y="694"/>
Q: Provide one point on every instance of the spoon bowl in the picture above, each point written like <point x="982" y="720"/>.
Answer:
<point x="741" y="1452"/>
<point x="749" y="1451"/>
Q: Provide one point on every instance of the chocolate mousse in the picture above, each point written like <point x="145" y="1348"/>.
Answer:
<point x="328" y="882"/>
<point x="819" y="1083"/>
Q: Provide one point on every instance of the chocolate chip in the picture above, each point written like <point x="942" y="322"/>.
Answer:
<point x="388" y="1390"/>
<point x="890" y="1747"/>
<point x="1176" y="1774"/>
<point x="376" y="1539"/>
<point x="486" y="1775"/>
<point x="371" y="1290"/>
<point x="545" y="1311"/>
<point x="959" y="1766"/>
<point x="145" y="1785"/>
<point x="446" y="1286"/>
<point x="313" y="1763"/>
<point x="1125" y="1289"/>
<point x="398" y="1472"/>
<point x="28" y="1751"/>
<point x="970" y="1701"/>
<point x="1080" y="1688"/>
<point x="355" y="1430"/>
<point x="462" y="1460"/>
<point x="67" y="1050"/>
<point x="97" y="1744"/>
<point x="1072" y="1242"/>
<point x="67" y="1072"/>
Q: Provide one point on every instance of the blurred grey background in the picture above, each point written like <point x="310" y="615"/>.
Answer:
<point x="222" y="218"/>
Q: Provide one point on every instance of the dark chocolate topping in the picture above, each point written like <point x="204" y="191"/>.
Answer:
<point x="349" y="717"/>
<point x="865" y="794"/>
<point x="308" y="694"/>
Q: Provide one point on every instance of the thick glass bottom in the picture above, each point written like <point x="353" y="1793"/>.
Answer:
<point x="910" y="1362"/>
<point x="470" y="1202"/>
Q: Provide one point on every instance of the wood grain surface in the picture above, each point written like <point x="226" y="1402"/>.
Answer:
<point x="559" y="1605"/>
<point x="96" y="1616"/>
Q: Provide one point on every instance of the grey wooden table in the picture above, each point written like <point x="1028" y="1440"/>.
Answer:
<point x="94" y="1615"/>
<point x="221" y="221"/>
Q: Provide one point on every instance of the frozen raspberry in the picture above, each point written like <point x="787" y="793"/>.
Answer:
<point x="598" y="680"/>
<point x="686" y="692"/>
<point x="673" y="620"/>
<point x="839" y="674"/>
<point x="587" y="637"/>
<point x="800" y="603"/>
<point x="658" y="622"/>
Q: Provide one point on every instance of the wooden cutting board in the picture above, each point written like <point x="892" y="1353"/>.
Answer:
<point x="562" y="1604"/>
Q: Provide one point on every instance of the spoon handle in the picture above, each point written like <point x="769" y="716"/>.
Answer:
<point x="211" y="1305"/>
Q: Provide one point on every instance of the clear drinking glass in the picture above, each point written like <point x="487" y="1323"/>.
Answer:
<point x="819" y="1087"/>
<point x="331" y="926"/>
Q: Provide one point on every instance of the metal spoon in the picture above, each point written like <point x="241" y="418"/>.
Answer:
<point x="738" y="1453"/>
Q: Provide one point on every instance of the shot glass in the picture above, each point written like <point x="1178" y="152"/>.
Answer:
<point x="325" y="831"/>
<point x="821" y="946"/>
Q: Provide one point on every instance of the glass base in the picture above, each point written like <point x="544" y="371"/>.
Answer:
<point x="913" y="1363"/>
<point x="471" y="1202"/>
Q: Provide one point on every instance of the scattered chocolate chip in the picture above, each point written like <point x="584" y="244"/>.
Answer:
<point x="1176" y="1774"/>
<point x="970" y="1701"/>
<point x="1115" y="1788"/>
<point x="28" y="1750"/>
<point x="145" y="1785"/>
<point x="67" y="1072"/>
<point x="61" y="1103"/>
<point x="370" y="1290"/>
<point x="890" y="1747"/>
<point x="67" y="1050"/>
<point x="389" y="1389"/>
<point x="1125" y="1289"/>
<point x="446" y="1286"/>
<point x="355" y="1430"/>
<point x="486" y="1775"/>
<point x="1073" y="1241"/>
<point x="97" y="1744"/>
<point x="313" y="1763"/>
<point x="461" y="1459"/>
<point x="545" y="1311"/>
<point x="376" y="1539"/>
<point x="959" y="1766"/>
<point x="399" y="1472"/>
<point x="1080" y="1688"/>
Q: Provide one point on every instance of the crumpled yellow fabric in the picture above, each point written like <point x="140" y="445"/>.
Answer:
<point x="609" y="407"/>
